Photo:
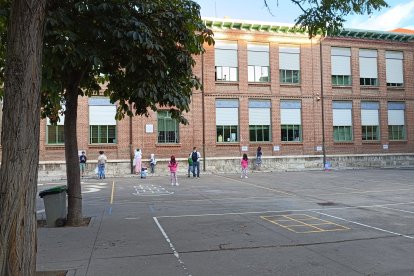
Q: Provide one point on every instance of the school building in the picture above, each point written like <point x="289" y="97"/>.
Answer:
<point x="346" y="99"/>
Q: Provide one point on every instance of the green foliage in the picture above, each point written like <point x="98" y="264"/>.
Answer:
<point x="140" y="51"/>
<point x="328" y="16"/>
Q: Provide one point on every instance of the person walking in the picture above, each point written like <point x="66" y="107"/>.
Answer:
<point x="82" y="163"/>
<point x="138" y="161"/>
<point x="173" y="166"/>
<point x="259" y="158"/>
<point x="101" y="164"/>
<point x="195" y="155"/>
<point x="190" y="165"/>
<point x="153" y="162"/>
<point x="244" y="165"/>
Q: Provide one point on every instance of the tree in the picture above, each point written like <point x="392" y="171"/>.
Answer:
<point x="20" y="137"/>
<point x="143" y="50"/>
<point x="328" y="16"/>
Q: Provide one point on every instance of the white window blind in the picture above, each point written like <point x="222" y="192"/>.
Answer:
<point x="342" y="117"/>
<point x="341" y="61"/>
<point x="396" y="118"/>
<point x="289" y="58"/>
<point x="369" y="117"/>
<point x="227" y="116"/>
<point x="258" y="54"/>
<point x="290" y="116"/>
<point x="368" y="64"/>
<point x="61" y="121"/>
<point x="226" y="53"/>
<point x="394" y="66"/>
<point x="259" y="116"/>
<point x="102" y="115"/>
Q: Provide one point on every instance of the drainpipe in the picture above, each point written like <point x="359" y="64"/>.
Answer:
<point x="130" y="142"/>
<point x="203" y="112"/>
<point x="322" y="103"/>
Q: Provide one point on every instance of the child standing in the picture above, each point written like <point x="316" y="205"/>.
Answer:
<point x="153" y="162"/>
<point x="244" y="164"/>
<point x="173" y="166"/>
<point x="190" y="164"/>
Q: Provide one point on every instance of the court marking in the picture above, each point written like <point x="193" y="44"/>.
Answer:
<point x="366" y="225"/>
<point x="301" y="219"/>
<point x="403" y="211"/>
<point x="151" y="190"/>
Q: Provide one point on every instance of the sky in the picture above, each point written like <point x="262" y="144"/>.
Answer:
<point x="400" y="14"/>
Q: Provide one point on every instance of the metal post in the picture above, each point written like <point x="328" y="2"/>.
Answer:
<point x="322" y="103"/>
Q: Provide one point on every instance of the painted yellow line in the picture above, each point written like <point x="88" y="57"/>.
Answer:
<point x="112" y="193"/>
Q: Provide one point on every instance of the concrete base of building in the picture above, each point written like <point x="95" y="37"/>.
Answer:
<point x="50" y="170"/>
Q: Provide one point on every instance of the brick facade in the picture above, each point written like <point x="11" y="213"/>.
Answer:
<point x="199" y="132"/>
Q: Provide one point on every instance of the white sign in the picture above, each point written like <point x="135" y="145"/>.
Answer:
<point x="244" y="148"/>
<point x="318" y="148"/>
<point x="385" y="146"/>
<point x="149" y="128"/>
<point x="276" y="148"/>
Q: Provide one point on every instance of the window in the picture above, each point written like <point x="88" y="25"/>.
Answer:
<point x="259" y="121"/>
<point x="342" y="121"/>
<point x="291" y="121"/>
<point x="226" y="60"/>
<point x="368" y="72"/>
<point x="289" y="65"/>
<point x="396" y="121"/>
<point x="55" y="133"/>
<point x="394" y="67"/>
<point x="370" y="121"/>
<point x="102" y="123"/>
<point x="341" y="66"/>
<point x="168" y="128"/>
<point x="227" y="121"/>
<point x="258" y="62"/>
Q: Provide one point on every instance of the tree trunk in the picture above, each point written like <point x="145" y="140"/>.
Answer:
<point x="71" y="153"/>
<point x="20" y="138"/>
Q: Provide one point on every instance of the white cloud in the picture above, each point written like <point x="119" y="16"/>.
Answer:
<point x="389" y="20"/>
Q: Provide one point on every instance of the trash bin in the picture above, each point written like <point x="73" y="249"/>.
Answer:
<point x="144" y="172"/>
<point x="55" y="205"/>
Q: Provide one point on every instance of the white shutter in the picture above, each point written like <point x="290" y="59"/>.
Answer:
<point x="102" y="115"/>
<point x="223" y="44"/>
<point x="227" y="116"/>
<point x="290" y="116"/>
<point x="339" y="51"/>
<point x="396" y="117"/>
<point x="289" y="61"/>
<point x="394" y="70"/>
<point x="226" y="58"/>
<point x="341" y="65"/>
<point x="259" y="116"/>
<point x="369" y="117"/>
<point x="368" y="67"/>
<point x="258" y="58"/>
<point x="342" y="117"/>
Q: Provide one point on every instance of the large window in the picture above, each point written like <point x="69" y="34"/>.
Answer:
<point x="259" y="121"/>
<point x="289" y="65"/>
<point x="102" y="123"/>
<point x="342" y="121"/>
<point x="258" y="62"/>
<point x="396" y="121"/>
<point x="227" y="121"/>
<point x="54" y="133"/>
<point x="368" y="70"/>
<point x="370" y="121"/>
<point x="341" y="66"/>
<point x="291" y="121"/>
<point x="226" y="60"/>
<point x="168" y="128"/>
<point x="394" y="66"/>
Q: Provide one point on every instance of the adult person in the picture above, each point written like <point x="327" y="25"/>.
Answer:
<point x="82" y="162"/>
<point x="101" y="164"/>
<point x="138" y="161"/>
<point x="195" y="155"/>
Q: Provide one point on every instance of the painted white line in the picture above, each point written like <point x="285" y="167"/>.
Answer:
<point x="293" y="210"/>
<point x="171" y="246"/>
<point x="399" y="210"/>
<point x="365" y="225"/>
<point x="40" y="211"/>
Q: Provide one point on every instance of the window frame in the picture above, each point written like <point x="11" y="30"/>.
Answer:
<point x="167" y="119"/>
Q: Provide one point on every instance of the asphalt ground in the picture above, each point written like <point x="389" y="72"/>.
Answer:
<point x="345" y="222"/>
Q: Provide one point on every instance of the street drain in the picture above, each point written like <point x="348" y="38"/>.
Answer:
<point x="328" y="203"/>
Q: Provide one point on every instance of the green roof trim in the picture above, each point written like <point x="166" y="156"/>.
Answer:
<point x="273" y="27"/>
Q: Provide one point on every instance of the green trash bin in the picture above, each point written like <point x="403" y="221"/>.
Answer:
<point x="55" y="205"/>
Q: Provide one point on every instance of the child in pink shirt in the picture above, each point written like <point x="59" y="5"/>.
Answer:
<point x="244" y="165"/>
<point x="173" y="166"/>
